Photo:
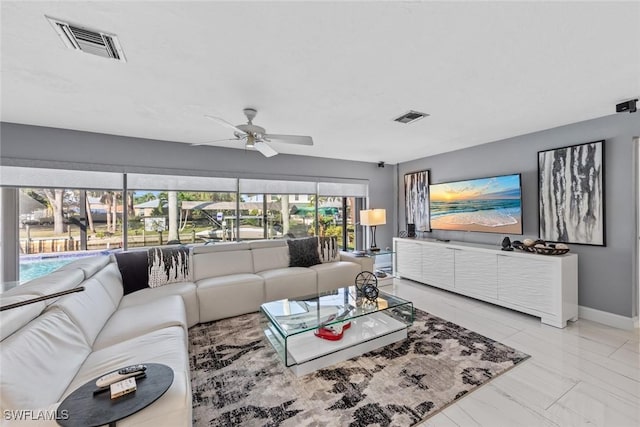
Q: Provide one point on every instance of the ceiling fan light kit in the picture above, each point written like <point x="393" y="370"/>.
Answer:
<point x="251" y="142"/>
<point x="256" y="137"/>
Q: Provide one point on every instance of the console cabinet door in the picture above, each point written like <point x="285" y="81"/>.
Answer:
<point x="528" y="282"/>
<point x="408" y="260"/>
<point x="438" y="266"/>
<point x="477" y="273"/>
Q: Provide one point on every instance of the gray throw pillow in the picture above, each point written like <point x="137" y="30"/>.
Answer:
<point x="303" y="252"/>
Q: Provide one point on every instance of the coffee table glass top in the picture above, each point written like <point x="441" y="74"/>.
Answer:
<point x="295" y="316"/>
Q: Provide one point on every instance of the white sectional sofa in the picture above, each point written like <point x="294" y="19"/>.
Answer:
<point x="50" y="348"/>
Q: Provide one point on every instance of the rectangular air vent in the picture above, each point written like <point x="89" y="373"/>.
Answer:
<point x="410" y="117"/>
<point x="86" y="40"/>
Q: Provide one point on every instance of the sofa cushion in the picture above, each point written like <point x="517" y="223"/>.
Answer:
<point x="133" y="321"/>
<point x="134" y="269"/>
<point x="335" y="275"/>
<point x="111" y="280"/>
<point x="166" y="346"/>
<point x="169" y="265"/>
<point x="221" y="247"/>
<point x="51" y="283"/>
<point x="173" y="408"/>
<point x="186" y="290"/>
<point x="227" y="296"/>
<point x="365" y="262"/>
<point x="328" y="249"/>
<point x="270" y="258"/>
<point x="303" y="252"/>
<point x="222" y="263"/>
<point x="39" y="362"/>
<point x="269" y="243"/>
<point x="89" y="265"/>
<point x="89" y="309"/>
<point x="289" y="282"/>
<point x="14" y="319"/>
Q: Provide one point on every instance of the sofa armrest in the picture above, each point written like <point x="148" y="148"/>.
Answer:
<point x="365" y="262"/>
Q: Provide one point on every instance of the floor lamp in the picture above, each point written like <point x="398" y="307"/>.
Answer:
<point x="373" y="218"/>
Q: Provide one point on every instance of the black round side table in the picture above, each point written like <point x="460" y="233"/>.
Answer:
<point x="83" y="408"/>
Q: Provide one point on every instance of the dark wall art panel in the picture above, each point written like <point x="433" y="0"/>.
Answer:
<point x="416" y="198"/>
<point x="571" y="194"/>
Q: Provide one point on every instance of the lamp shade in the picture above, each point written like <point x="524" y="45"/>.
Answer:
<point x="373" y="217"/>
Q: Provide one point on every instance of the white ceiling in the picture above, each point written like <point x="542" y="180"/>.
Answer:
<point x="338" y="71"/>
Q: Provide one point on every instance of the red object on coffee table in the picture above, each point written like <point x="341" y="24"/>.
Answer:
<point x="333" y="332"/>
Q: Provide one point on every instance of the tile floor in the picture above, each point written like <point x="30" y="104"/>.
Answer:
<point x="587" y="374"/>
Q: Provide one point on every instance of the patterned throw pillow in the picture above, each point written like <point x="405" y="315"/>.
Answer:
<point x="303" y="252"/>
<point x="328" y="249"/>
<point x="168" y="265"/>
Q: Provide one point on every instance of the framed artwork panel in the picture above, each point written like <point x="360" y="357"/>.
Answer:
<point x="571" y="199"/>
<point x="416" y="199"/>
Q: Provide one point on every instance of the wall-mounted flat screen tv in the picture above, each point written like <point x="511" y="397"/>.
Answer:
<point x="490" y="205"/>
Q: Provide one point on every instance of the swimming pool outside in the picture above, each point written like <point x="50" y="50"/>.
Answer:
<point x="34" y="266"/>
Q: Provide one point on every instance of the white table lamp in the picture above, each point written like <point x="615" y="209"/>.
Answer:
<point x="373" y="218"/>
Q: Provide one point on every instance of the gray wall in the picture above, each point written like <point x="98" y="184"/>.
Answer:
<point x="23" y="145"/>
<point x="606" y="274"/>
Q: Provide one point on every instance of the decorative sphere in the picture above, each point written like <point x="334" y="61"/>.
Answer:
<point x="561" y="246"/>
<point x="528" y="242"/>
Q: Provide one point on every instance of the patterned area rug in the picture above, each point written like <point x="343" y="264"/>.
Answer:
<point x="238" y="379"/>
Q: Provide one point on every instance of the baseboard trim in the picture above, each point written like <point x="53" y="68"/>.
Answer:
<point x="606" y="318"/>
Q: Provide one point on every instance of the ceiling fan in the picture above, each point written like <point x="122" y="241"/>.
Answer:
<point x="256" y="137"/>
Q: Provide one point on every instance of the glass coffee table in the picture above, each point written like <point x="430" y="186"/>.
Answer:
<point x="290" y="326"/>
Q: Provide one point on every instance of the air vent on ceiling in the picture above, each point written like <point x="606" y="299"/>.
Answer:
<point x="410" y="117"/>
<point x="86" y="40"/>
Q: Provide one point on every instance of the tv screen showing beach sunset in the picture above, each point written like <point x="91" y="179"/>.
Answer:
<point x="490" y="205"/>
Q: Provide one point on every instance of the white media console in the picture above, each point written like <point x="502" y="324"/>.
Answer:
<point x="545" y="286"/>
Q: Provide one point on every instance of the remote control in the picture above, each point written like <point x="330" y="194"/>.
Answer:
<point x="119" y="375"/>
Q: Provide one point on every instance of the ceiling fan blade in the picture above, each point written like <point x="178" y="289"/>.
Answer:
<point x="265" y="149"/>
<point x="290" y="139"/>
<point x="225" y="123"/>
<point x="213" y="142"/>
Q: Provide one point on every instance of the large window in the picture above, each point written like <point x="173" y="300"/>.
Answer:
<point x="330" y="216"/>
<point x="337" y="217"/>
<point x="252" y="217"/>
<point x="294" y="215"/>
<point x="59" y="221"/>
<point x="45" y="220"/>
<point x="171" y="209"/>
<point x="169" y="217"/>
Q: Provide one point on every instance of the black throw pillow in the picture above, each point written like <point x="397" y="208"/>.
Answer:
<point x="303" y="252"/>
<point x="134" y="270"/>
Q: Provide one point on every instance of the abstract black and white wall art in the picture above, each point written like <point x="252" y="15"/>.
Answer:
<point x="416" y="199"/>
<point x="571" y="194"/>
